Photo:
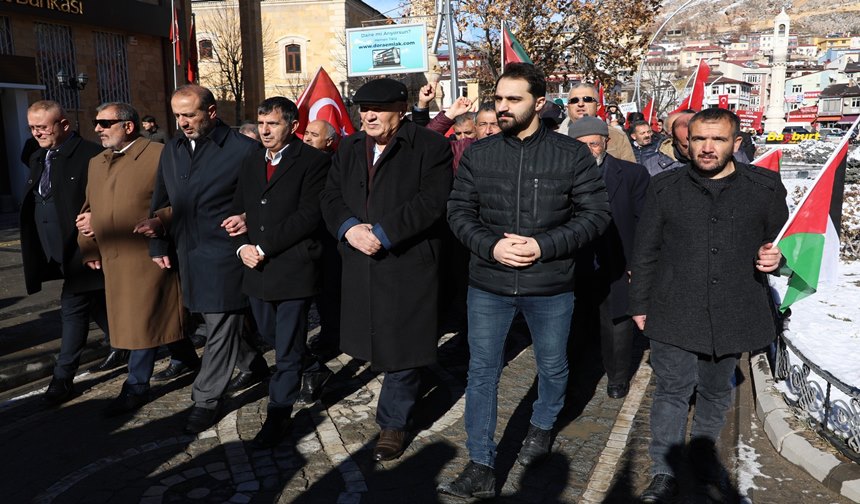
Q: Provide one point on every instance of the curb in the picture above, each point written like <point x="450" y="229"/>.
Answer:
<point x="774" y="413"/>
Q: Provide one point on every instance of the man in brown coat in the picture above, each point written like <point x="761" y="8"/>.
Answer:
<point x="144" y="302"/>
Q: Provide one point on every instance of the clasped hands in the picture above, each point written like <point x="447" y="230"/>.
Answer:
<point x="361" y="238"/>
<point x="517" y="251"/>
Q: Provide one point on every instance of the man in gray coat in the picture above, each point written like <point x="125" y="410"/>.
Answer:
<point x="700" y="293"/>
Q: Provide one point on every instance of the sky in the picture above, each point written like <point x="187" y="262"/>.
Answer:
<point x="384" y="6"/>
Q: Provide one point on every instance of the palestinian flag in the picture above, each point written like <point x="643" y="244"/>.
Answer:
<point x="809" y="241"/>
<point x="512" y="50"/>
<point x="771" y="161"/>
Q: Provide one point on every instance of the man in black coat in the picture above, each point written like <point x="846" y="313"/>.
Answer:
<point x="523" y="203"/>
<point x="699" y="289"/>
<point x="279" y="193"/>
<point x="384" y="201"/>
<point x="602" y="265"/>
<point x="55" y="194"/>
<point x="193" y="194"/>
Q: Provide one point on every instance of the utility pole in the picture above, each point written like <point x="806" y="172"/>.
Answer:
<point x="443" y="15"/>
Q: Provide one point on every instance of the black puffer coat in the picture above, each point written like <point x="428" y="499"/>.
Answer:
<point x="547" y="187"/>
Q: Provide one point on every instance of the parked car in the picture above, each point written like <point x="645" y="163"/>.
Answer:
<point x="834" y="136"/>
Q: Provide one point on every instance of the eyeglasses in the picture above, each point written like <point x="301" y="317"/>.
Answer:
<point x="42" y="128"/>
<point x="585" y="99"/>
<point x="106" y="123"/>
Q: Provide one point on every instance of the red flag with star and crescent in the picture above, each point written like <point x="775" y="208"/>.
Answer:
<point x="321" y="100"/>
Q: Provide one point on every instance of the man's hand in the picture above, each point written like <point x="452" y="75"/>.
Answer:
<point x="250" y="256"/>
<point x="640" y="321"/>
<point x="769" y="257"/>
<point x="82" y="222"/>
<point x="163" y="262"/>
<point x="459" y="107"/>
<point x="515" y="251"/>
<point x="361" y="238"/>
<point x="151" y="228"/>
<point x="235" y="225"/>
<point x="95" y="265"/>
<point x="426" y="94"/>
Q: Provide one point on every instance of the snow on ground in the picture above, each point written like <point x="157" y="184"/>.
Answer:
<point x="747" y="468"/>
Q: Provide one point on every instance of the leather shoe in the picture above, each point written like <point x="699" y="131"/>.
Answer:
<point x="201" y="419"/>
<point x="312" y="386"/>
<point x="476" y="480"/>
<point x="662" y="489"/>
<point x="116" y="358"/>
<point x="59" y="391"/>
<point x="536" y="445"/>
<point x="390" y="445"/>
<point x="126" y="402"/>
<point x="274" y="429"/>
<point x="617" y="390"/>
<point x="245" y="380"/>
<point x="174" y="370"/>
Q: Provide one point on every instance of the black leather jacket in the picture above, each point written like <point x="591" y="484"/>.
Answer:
<point x="547" y="187"/>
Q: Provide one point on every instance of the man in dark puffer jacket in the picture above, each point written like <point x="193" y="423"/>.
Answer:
<point x="523" y="203"/>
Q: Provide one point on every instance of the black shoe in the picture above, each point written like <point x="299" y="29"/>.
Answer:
<point x="312" y="386"/>
<point x="617" y="390"/>
<point x="274" y="429"/>
<point x="662" y="489"/>
<point x="126" y="402"/>
<point x="244" y="380"/>
<point x="174" y="370"/>
<point x="536" y="445"/>
<point x="59" y="391"/>
<point x="116" y="358"/>
<point x="476" y="480"/>
<point x="201" y="419"/>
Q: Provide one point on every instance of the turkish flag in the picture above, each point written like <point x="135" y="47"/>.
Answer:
<point x="770" y="161"/>
<point x="601" y="101"/>
<point x="321" y="100"/>
<point x="191" y="67"/>
<point x="650" y="114"/>
<point x="697" y="95"/>
<point x="724" y="101"/>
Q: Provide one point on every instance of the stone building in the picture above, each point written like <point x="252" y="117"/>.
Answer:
<point x="124" y="51"/>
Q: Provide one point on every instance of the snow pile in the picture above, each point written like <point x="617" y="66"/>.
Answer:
<point x="748" y="468"/>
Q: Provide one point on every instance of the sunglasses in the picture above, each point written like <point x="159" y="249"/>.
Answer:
<point x="585" y="99"/>
<point x="106" y="123"/>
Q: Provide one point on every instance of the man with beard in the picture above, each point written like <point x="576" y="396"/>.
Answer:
<point x="699" y="291"/>
<point x="193" y="194"/>
<point x="523" y="203"/>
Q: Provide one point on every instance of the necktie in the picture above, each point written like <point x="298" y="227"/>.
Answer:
<point x="45" y="181"/>
<point x="270" y="170"/>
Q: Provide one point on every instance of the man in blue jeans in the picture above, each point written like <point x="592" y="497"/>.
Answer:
<point x="523" y="202"/>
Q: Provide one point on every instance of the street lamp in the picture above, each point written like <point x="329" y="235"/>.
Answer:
<point x="76" y="84"/>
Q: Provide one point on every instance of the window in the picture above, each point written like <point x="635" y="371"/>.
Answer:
<point x="205" y="49"/>
<point x="796" y="88"/>
<point x="55" y="51"/>
<point x="855" y="102"/>
<point x="733" y="90"/>
<point x="782" y="30"/>
<point x="112" y="65"/>
<point x="293" y="58"/>
<point x="5" y="36"/>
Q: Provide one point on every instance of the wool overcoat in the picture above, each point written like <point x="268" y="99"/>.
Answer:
<point x="144" y="302"/>
<point x="693" y="270"/>
<point x="68" y="182"/>
<point x="389" y="307"/>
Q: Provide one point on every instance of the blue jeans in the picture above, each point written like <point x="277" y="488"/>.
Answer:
<point x="490" y="317"/>
<point x="678" y="374"/>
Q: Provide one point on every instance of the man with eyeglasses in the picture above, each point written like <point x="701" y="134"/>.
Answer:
<point x="145" y="301"/>
<point x="384" y="201"/>
<point x="52" y="200"/>
<point x="582" y="102"/>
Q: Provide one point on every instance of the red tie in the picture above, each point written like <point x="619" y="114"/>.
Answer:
<point x="270" y="169"/>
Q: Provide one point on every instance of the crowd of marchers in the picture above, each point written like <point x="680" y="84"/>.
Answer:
<point x="233" y="234"/>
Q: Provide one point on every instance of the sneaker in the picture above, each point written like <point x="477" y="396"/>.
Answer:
<point x="476" y="480"/>
<point x="536" y="445"/>
<point x="661" y="490"/>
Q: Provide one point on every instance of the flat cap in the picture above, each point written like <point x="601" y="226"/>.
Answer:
<point x="587" y="126"/>
<point x="381" y="91"/>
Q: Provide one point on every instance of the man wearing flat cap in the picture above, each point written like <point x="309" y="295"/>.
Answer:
<point x="601" y="285"/>
<point x="384" y="201"/>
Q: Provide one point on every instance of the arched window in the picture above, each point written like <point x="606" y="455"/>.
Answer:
<point x="293" y="58"/>
<point x="205" y="49"/>
<point x="782" y="30"/>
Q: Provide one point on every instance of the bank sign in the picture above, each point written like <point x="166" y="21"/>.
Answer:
<point x="389" y="49"/>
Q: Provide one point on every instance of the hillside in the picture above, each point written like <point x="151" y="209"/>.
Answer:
<point x="814" y="17"/>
